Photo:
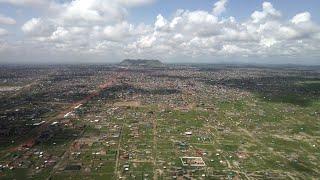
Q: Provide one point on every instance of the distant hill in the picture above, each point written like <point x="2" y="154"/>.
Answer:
<point x="141" y="63"/>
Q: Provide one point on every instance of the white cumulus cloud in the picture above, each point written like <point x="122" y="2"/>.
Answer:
<point x="102" y="28"/>
<point x="268" y="12"/>
<point x="118" y="32"/>
<point x="3" y="32"/>
<point x="219" y="7"/>
<point x="36" y="27"/>
<point x="301" y="18"/>
<point x="6" y="20"/>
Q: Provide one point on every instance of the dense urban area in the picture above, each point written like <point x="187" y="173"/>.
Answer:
<point x="138" y="120"/>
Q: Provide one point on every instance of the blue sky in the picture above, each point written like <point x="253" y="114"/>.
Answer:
<point x="211" y="31"/>
<point x="237" y="8"/>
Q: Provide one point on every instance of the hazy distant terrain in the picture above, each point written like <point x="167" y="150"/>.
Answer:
<point x="141" y="63"/>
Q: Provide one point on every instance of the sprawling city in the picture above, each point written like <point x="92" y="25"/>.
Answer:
<point x="147" y="120"/>
<point x="159" y="89"/>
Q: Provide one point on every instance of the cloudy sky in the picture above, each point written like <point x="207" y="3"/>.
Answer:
<point x="206" y="31"/>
